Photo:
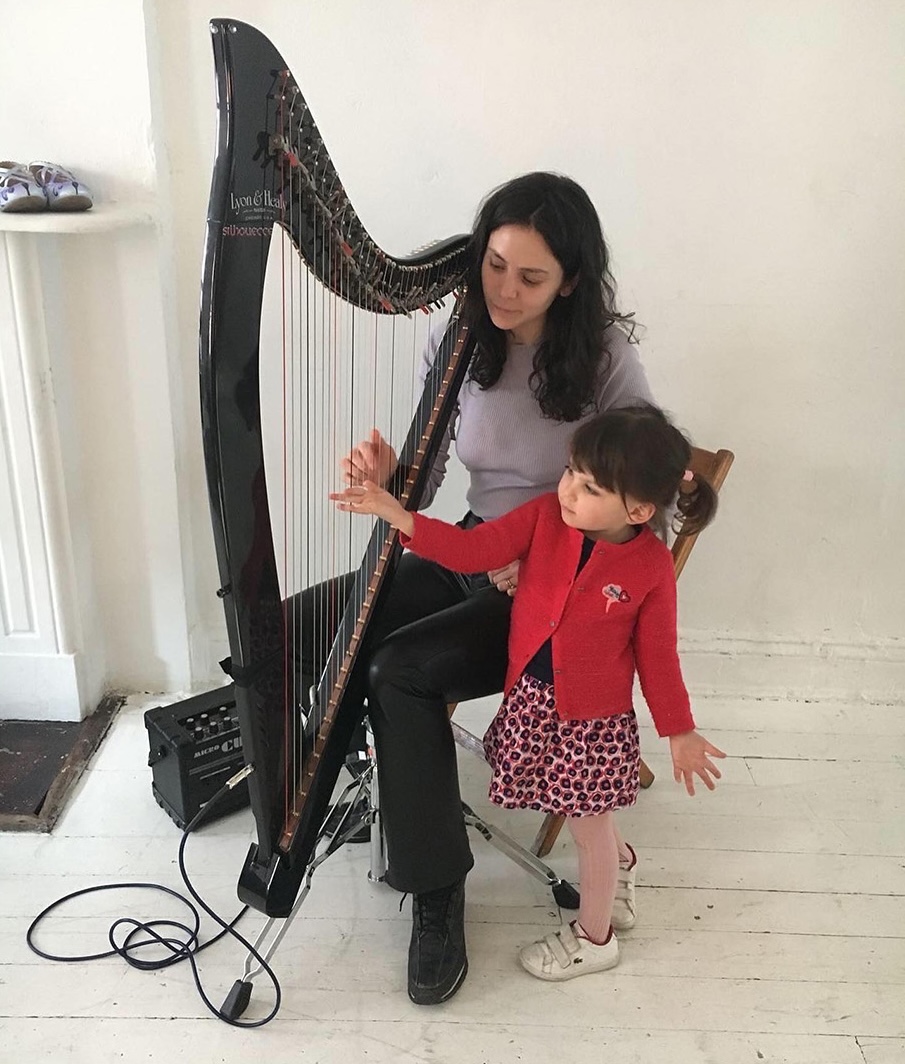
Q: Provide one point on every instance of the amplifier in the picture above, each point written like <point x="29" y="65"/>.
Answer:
<point x="195" y="747"/>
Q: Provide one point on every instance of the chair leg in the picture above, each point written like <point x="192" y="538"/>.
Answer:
<point x="645" y="776"/>
<point x="548" y="834"/>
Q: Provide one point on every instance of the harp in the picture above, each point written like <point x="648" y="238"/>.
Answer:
<point x="273" y="180"/>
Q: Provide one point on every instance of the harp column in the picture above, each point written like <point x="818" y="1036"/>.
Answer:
<point x="50" y="667"/>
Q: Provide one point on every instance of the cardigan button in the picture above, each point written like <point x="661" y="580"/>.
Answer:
<point x="553" y="624"/>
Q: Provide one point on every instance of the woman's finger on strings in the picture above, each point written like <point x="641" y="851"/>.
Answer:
<point x="353" y="469"/>
<point x="348" y="496"/>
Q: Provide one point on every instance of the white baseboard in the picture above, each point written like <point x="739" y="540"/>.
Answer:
<point x="46" y="687"/>
<point x="737" y="666"/>
<point x="756" y="667"/>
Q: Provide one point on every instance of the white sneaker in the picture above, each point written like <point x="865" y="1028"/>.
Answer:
<point x="623" y="918"/>
<point x="565" y="955"/>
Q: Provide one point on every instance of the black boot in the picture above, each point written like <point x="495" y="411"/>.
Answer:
<point x="437" y="961"/>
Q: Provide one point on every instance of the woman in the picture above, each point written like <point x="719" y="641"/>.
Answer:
<point x="550" y="354"/>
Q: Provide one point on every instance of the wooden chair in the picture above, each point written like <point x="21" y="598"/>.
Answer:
<point x="712" y="466"/>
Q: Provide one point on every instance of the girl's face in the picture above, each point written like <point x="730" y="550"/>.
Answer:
<point x="596" y="511"/>
<point x="521" y="277"/>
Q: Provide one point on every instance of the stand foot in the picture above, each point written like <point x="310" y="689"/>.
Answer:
<point x="237" y="1000"/>
<point x="565" y="895"/>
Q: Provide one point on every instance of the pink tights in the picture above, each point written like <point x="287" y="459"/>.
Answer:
<point x="601" y="849"/>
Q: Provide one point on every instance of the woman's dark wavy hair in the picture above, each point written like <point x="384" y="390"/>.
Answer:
<point x="567" y="366"/>
<point x="637" y="451"/>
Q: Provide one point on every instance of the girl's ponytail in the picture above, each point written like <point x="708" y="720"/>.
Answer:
<point x="696" y="507"/>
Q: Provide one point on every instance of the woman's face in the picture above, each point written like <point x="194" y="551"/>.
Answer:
<point x="521" y="277"/>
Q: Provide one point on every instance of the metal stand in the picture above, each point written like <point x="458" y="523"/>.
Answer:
<point x="359" y="804"/>
<point x="564" y="894"/>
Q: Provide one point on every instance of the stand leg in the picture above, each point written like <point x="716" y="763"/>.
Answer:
<point x="563" y="892"/>
<point x="270" y="936"/>
<point x="378" y="868"/>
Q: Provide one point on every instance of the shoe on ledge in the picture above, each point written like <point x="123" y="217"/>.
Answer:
<point x="62" y="189"/>
<point x="19" y="190"/>
<point x="437" y="960"/>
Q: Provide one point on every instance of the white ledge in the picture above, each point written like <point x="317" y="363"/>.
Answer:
<point x="97" y="219"/>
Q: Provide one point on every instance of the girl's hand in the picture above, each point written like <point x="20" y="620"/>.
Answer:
<point x="368" y="498"/>
<point x="691" y="755"/>
<point x="505" y="579"/>
<point x="373" y="459"/>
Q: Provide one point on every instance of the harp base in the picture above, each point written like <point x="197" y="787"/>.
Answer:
<point x="270" y="886"/>
<point x="267" y="885"/>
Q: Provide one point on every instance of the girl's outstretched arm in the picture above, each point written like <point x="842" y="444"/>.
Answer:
<point x="691" y="755"/>
<point x="368" y="498"/>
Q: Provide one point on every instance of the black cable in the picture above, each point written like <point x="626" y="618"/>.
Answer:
<point x="182" y="949"/>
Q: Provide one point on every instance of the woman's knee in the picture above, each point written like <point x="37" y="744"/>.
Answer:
<point x="395" y="671"/>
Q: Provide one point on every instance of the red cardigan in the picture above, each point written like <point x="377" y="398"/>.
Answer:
<point x="616" y="616"/>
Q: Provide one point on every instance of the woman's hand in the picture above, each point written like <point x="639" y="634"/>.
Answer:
<point x="691" y="755"/>
<point x="505" y="579"/>
<point x="373" y="459"/>
<point x="368" y="498"/>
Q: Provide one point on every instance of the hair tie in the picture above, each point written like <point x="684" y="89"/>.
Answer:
<point x="688" y="475"/>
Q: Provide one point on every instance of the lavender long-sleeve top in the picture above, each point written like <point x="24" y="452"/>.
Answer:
<point x="511" y="451"/>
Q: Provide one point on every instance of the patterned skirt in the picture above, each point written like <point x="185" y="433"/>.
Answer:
<point x="571" y="767"/>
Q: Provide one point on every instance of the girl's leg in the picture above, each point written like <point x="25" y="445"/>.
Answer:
<point x="598" y="871"/>
<point x="588" y="944"/>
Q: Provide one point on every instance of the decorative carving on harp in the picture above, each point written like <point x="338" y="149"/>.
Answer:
<point x="273" y="181"/>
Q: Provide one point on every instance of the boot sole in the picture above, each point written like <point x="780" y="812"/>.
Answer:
<point x="430" y="997"/>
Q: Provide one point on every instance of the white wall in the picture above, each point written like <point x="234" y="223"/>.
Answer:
<point x="75" y="85"/>
<point x="746" y="161"/>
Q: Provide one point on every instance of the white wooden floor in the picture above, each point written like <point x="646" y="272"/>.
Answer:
<point x="771" y="922"/>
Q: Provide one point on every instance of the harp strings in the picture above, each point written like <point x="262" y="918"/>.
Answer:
<point x="343" y="371"/>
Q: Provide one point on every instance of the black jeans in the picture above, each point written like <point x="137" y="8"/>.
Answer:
<point x="441" y="637"/>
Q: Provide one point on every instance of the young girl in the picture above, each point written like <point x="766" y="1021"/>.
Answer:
<point x="596" y="601"/>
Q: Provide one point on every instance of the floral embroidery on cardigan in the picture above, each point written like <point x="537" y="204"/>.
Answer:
<point x="614" y="593"/>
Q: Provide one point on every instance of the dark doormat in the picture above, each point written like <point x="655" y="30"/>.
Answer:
<point x="40" y="762"/>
